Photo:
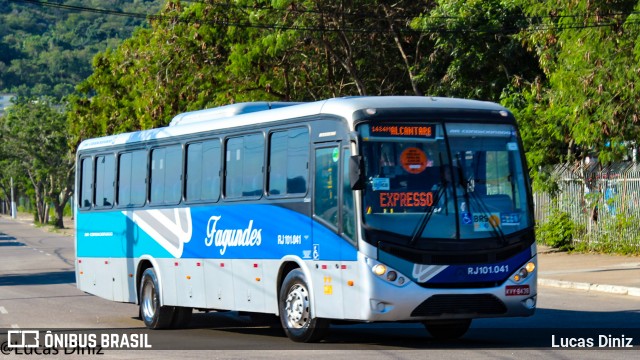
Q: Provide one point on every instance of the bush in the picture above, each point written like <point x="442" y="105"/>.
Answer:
<point x="618" y="235"/>
<point x="558" y="232"/>
<point x="67" y="210"/>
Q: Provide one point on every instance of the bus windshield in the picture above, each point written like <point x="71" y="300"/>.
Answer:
<point x="444" y="180"/>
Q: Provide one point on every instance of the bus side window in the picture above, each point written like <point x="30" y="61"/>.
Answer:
<point x="211" y="170"/>
<point x="203" y="171"/>
<point x="288" y="158"/>
<point x="326" y="184"/>
<point x="105" y="177"/>
<point x="278" y="163"/>
<point x="86" y="183"/>
<point x="132" y="175"/>
<point x="166" y="173"/>
<point x="244" y="163"/>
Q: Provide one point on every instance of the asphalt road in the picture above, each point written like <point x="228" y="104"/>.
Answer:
<point x="37" y="292"/>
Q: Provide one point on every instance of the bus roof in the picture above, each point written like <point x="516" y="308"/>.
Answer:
<point x="244" y="114"/>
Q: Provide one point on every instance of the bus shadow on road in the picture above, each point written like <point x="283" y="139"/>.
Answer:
<point x="547" y="329"/>
<point x="8" y="240"/>
<point x="43" y="278"/>
<point x="11" y="243"/>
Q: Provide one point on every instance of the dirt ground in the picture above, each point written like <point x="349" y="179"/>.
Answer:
<point x="69" y="223"/>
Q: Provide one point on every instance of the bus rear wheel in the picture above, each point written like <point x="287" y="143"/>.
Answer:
<point x="152" y="313"/>
<point x="295" y="314"/>
<point x="449" y="329"/>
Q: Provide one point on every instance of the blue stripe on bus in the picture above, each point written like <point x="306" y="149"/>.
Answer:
<point x="467" y="273"/>
<point x="101" y="234"/>
<point x="227" y="232"/>
<point x="491" y="272"/>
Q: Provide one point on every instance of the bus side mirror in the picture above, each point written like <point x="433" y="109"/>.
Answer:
<point x="356" y="172"/>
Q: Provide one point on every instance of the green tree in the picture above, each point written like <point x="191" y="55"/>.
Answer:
<point x="587" y="103"/>
<point x="318" y="49"/>
<point x="214" y="53"/>
<point x="473" y="49"/>
<point x="10" y="170"/>
<point x="175" y="66"/>
<point x="47" y="51"/>
<point x="35" y="140"/>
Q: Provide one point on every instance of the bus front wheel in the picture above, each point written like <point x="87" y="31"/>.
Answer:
<point x="152" y="313"/>
<point x="295" y="310"/>
<point x="447" y="330"/>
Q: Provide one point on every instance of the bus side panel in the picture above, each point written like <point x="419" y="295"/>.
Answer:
<point x="327" y="284"/>
<point x="107" y="244"/>
<point x="218" y="278"/>
<point x="167" y="278"/>
<point x="123" y="278"/>
<point x="109" y="278"/>
<point x="330" y="275"/>
<point x="190" y="282"/>
<point x="248" y="289"/>
<point x="95" y="277"/>
<point x="270" y="284"/>
<point x="353" y="290"/>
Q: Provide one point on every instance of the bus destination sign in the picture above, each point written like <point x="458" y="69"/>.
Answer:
<point x="404" y="130"/>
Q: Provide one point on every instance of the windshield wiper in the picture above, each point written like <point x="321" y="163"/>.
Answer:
<point x="481" y="205"/>
<point x="427" y="216"/>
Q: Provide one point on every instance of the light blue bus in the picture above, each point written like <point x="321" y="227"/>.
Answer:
<point x="364" y="209"/>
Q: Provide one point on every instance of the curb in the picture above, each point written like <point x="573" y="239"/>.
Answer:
<point x="610" y="289"/>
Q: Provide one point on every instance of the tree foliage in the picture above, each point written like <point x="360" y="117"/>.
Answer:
<point x="157" y="73"/>
<point x="35" y="143"/>
<point x="476" y="52"/>
<point x="567" y="69"/>
<point x="45" y="51"/>
<point x="215" y="52"/>
<point x="588" y="104"/>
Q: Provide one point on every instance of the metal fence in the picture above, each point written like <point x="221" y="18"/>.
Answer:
<point x="602" y="201"/>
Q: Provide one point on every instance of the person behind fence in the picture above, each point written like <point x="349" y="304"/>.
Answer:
<point x="609" y="199"/>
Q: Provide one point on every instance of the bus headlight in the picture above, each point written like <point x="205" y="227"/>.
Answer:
<point x="524" y="272"/>
<point x="530" y="266"/>
<point x="379" y="269"/>
<point x="387" y="274"/>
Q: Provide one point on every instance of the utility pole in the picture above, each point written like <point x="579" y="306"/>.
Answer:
<point x="13" y="202"/>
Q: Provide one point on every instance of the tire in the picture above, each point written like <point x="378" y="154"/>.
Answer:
<point x="294" y="305"/>
<point x="181" y="317"/>
<point x="447" y="330"/>
<point x="152" y="314"/>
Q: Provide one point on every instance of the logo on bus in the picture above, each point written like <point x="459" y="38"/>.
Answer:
<point x="231" y="237"/>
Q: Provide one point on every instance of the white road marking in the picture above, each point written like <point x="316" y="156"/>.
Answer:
<point x="3" y="310"/>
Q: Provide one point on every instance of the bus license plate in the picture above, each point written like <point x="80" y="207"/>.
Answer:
<point x="517" y="290"/>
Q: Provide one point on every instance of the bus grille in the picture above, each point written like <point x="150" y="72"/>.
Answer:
<point x="485" y="304"/>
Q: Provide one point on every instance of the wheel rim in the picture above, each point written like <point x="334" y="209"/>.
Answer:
<point x="297" y="307"/>
<point x="148" y="300"/>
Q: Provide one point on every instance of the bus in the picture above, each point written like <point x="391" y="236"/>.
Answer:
<point x="356" y="209"/>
